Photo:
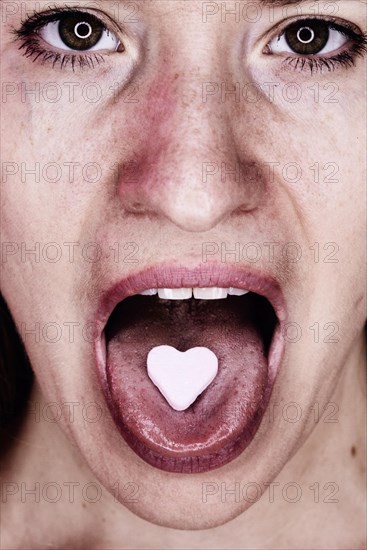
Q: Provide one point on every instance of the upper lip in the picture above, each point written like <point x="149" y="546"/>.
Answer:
<point x="166" y="275"/>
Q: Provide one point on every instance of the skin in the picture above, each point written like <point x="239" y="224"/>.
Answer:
<point x="165" y="136"/>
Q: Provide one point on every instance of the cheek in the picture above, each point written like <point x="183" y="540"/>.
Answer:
<point x="67" y="151"/>
<point x="59" y="174"/>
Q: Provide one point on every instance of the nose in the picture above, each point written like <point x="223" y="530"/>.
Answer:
<point x="191" y="168"/>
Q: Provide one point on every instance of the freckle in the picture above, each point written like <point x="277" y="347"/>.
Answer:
<point x="353" y="451"/>
<point x="176" y="76"/>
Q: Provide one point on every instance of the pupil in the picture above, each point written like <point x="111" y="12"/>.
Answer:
<point x="82" y="30"/>
<point x="305" y="35"/>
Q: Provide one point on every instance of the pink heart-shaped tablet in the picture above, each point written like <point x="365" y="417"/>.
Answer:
<point x="181" y="375"/>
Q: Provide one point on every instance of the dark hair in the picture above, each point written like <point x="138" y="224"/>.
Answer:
<point x="15" y="371"/>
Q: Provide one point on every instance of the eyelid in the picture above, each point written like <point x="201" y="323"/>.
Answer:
<point x="336" y="40"/>
<point x="36" y="49"/>
<point x="355" y="47"/>
<point x="40" y="19"/>
<point x="345" y="27"/>
<point x="50" y="33"/>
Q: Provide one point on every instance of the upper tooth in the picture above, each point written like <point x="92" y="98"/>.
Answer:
<point x="149" y="292"/>
<point x="208" y="293"/>
<point x="211" y="293"/>
<point x="175" y="293"/>
<point x="236" y="291"/>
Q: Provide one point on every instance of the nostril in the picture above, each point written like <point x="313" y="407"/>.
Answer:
<point x="137" y="208"/>
<point x="244" y="209"/>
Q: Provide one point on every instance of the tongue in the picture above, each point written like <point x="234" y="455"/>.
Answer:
<point x="224" y="417"/>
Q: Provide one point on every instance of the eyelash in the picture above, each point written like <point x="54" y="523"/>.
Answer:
<point x="33" y="49"/>
<point x="345" y="59"/>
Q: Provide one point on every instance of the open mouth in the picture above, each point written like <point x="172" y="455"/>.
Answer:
<point x="240" y="326"/>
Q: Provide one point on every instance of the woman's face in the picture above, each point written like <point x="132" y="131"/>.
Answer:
<point x="150" y="158"/>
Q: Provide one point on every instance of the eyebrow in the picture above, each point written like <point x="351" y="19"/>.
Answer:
<point x="266" y="3"/>
<point x="280" y="3"/>
<point x="275" y="3"/>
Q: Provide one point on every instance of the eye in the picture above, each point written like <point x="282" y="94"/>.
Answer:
<point x="78" y="31"/>
<point x="309" y="37"/>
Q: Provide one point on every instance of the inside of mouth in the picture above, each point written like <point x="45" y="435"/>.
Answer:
<point x="151" y="321"/>
<point x="238" y="329"/>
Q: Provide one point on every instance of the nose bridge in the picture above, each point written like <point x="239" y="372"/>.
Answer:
<point x="189" y="159"/>
<point x="199" y="134"/>
<point x="195" y="179"/>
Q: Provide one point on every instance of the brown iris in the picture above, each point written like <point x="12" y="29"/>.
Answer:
<point x="307" y="37"/>
<point x="80" y="31"/>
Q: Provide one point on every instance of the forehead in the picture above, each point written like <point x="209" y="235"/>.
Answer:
<point x="211" y="5"/>
<point x="227" y="4"/>
<point x="214" y="11"/>
<point x="200" y="2"/>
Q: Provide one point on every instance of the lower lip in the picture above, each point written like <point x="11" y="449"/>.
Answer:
<point x="185" y="462"/>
